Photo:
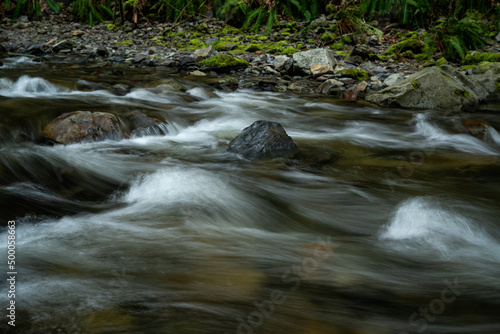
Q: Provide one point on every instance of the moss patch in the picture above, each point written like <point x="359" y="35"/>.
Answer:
<point x="415" y="84"/>
<point x="462" y="93"/>
<point x="327" y="38"/>
<point x="478" y="57"/>
<point x="253" y="48"/>
<point x="355" y="73"/>
<point x="412" y="43"/>
<point x="223" y="63"/>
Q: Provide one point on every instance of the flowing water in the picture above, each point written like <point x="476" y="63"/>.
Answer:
<point x="388" y="221"/>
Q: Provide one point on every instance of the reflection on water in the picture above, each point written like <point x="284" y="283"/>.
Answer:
<point x="166" y="232"/>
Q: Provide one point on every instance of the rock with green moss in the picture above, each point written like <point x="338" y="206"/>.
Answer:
<point x="327" y="38"/>
<point x="223" y="63"/>
<point x="354" y="73"/>
<point x="441" y="61"/>
<point x="413" y="44"/>
<point x="441" y="88"/>
<point x="225" y="46"/>
<point x="476" y="57"/>
<point x="486" y="74"/>
<point x="253" y="48"/>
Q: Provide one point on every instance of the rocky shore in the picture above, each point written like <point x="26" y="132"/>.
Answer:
<point x="297" y="57"/>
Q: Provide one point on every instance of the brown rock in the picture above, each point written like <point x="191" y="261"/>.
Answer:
<point x="479" y="129"/>
<point x="78" y="32"/>
<point x="320" y="69"/>
<point x="80" y="126"/>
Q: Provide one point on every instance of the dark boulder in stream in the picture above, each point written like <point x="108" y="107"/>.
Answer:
<point x="263" y="139"/>
<point x="82" y="126"/>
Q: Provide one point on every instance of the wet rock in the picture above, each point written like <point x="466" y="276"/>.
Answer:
<point x="479" y="129"/>
<point x="432" y="88"/>
<point x="355" y="92"/>
<point x="81" y="126"/>
<point x="362" y="51"/>
<point x="35" y="50"/>
<point x="329" y="87"/>
<point x="139" y="59"/>
<point x="77" y="33"/>
<point x="62" y="45"/>
<point x="198" y="73"/>
<point x="186" y="61"/>
<point x="303" y="61"/>
<point x="139" y="124"/>
<point x="204" y="53"/>
<point x="166" y="84"/>
<point x="263" y="139"/>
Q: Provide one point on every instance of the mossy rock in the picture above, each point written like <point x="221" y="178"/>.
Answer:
<point x="327" y="38"/>
<point x="289" y="51"/>
<point x="355" y="73"/>
<point x="253" y="48"/>
<point x="479" y="57"/>
<point x="441" y="61"/>
<point x="483" y="67"/>
<point x="223" y="63"/>
<point x="412" y="44"/>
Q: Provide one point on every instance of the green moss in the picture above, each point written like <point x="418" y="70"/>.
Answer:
<point x="289" y="51"/>
<point x="413" y="44"/>
<point x="327" y="38"/>
<point x="330" y="9"/>
<point x="223" y="62"/>
<point x="126" y="42"/>
<point x="253" y="48"/>
<point x="111" y="26"/>
<point x="462" y="93"/>
<point x="388" y="92"/>
<point x="422" y="57"/>
<point x="342" y="53"/>
<point x="483" y="67"/>
<point x="415" y="84"/>
<point x="346" y="39"/>
<point x="196" y="44"/>
<point x="408" y="54"/>
<point x="355" y="73"/>
<point x="221" y="46"/>
<point x="441" y="61"/>
<point x="478" y="57"/>
<point x="230" y="30"/>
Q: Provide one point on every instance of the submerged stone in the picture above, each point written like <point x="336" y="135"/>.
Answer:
<point x="263" y="139"/>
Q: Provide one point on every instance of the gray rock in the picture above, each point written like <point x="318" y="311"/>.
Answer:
<point x="204" y="53"/>
<point x="441" y="88"/>
<point x="263" y="139"/>
<point x="328" y="87"/>
<point x="489" y="80"/>
<point x="393" y="79"/>
<point x="303" y="61"/>
<point x="82" y="126"/>
<point x="498" y="37"/>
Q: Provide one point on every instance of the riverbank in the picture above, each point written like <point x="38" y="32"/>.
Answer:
<point x="360" y="64"/>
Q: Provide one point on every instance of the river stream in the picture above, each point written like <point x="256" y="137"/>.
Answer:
<point x="387" y="223"/>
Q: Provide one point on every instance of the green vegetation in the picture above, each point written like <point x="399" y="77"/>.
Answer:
<point x="31" y="7"/>
<point x="478" y="57"/>
<point x="415" y="84"/>
<point x="223" y="62"/>
<point x="355" y="73"/>
<point x="450" y="27"/>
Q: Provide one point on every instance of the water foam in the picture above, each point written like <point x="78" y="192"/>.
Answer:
<point x="424" y="222"/>
<point x="27" y="86"/>
<point x="434" y="136"/>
